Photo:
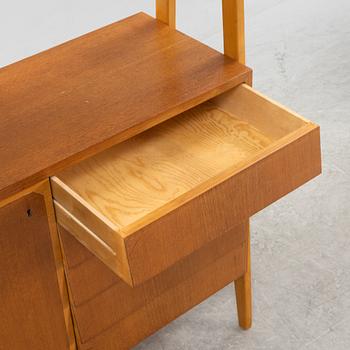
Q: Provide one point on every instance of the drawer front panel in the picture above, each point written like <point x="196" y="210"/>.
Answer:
<point x="110" y="314"/>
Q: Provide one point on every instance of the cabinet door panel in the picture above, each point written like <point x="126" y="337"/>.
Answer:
<point x="31" y="311"/>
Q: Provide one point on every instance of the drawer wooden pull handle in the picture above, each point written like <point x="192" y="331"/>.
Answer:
<point x="66" y="219"/>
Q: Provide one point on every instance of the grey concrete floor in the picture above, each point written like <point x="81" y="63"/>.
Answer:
<point x="300" y="53"/>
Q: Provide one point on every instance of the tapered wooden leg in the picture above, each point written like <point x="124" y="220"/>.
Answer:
<point x="244" y="292"/>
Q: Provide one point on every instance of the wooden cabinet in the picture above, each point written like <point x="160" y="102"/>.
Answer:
<point x="158" y="151"/>
<point x="32" y="312"/>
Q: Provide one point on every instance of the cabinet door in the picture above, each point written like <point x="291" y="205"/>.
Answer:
<point x="31" y="312"/>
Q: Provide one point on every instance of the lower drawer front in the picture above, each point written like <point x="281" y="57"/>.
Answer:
<point x="152" y="200"/>
<point x="109" y="314"/>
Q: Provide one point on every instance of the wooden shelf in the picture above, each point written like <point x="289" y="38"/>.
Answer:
<point x="79" y="98"/>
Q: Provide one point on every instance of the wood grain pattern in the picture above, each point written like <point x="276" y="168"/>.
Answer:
<point x="111" y="315"/>
<point x="173" y="188"/>
<point x="270" y="117"/>
<point x="79" y="98"/>
<point x="233" y="29"/>
<point x="32" y="315"/>
<point x="166" y="12"/>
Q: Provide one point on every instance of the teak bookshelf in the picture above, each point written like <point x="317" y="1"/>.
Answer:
<point x="131" y="161"/>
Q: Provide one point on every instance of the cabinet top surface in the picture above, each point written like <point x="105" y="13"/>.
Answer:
<point x="74" y="100"/>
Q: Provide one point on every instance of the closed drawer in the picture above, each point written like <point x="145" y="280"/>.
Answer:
<point x="148" y="202"/>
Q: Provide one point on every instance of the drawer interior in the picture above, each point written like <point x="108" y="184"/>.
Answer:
<point x="164" y="164"/>
<point x="179" y="158"/>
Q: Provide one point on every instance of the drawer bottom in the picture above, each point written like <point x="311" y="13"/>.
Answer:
<point x="109" y="314"/>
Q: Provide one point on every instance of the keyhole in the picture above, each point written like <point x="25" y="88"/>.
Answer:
<point x="29" y="213"/>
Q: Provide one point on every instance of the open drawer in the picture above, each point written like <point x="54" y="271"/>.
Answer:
<point x="148" y="202"/>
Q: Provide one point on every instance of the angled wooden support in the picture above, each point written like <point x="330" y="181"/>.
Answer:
<point x="233" y="24"/>
<point x="244" y="290"/>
